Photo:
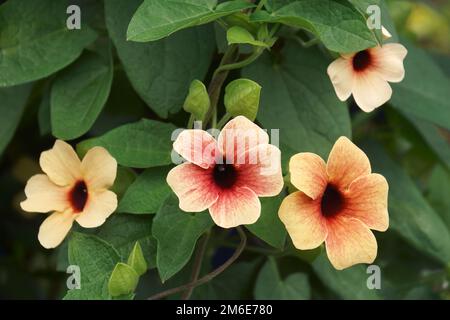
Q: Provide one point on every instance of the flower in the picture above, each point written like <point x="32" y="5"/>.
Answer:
<point x="338" y="202"/>
<point x="366" y="74"/>
<point x="72" y="189"/>
<point x="228" y="175"/>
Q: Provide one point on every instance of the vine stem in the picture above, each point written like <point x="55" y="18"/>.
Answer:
<point x="217" y="81"/>
<point x="197" y="265"/>
<point x="255" y="54"/>
<point x="210" y="275"/>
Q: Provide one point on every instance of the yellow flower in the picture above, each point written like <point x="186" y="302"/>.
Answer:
<point x="72" y="190"/>
<point x="338" y="202"/>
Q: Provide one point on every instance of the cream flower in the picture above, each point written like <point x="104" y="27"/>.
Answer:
<point x="338" y="202"/>
<point x="72" y="189"/>
<point x="228" y="175"/>
<point x="366" y="74"/>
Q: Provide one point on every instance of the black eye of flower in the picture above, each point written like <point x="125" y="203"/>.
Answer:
<point x="225" y="175"/>
<point x="332" y="201"/>
<point x="78" y="196"/>
<point x="362" y="60"/>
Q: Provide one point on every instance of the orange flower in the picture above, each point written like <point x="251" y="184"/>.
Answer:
<point x="366" y="74"/>
<point x="72" y="189"/>
<point x="228" y="175"/>
<point x="338" y="202"/>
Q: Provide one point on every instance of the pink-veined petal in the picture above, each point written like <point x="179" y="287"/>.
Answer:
<point x="197" y="147"/>
<point x="262" y="171"/>
<point x="349" y="242"/>
<point x="235" y="207"/>
<point x="194" y="187"/>
<point x="367" y="201"/>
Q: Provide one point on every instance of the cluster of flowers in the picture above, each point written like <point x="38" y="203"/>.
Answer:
<point x="338" y="202"/>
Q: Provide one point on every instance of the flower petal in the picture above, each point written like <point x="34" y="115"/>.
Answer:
<point x="99" y="169"/>
<point x="61" y="164"/>
<point x="385" y="33"/>
<point x="235" y="207"/>
<point x="370" y="90"/>
<point x="367" y="200"/>
<point x="262" y="175"/>
<point x="340" y="72"/>
<point x="44" y="196"/>
<point x="389" y="61"/>
<point x="346" y="162"/>
<point x="194" y="187"/>
<point x="308" y="174"/>
<point x="55" y="228"/>
<point x="303" y="220"/>
<point x="99" y="207"/>
<point x="349" y="242"/>
<point x="197" y="147"/>
<point x="240" y="135"/>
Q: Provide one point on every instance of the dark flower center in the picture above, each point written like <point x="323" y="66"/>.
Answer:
<point x="332" y="201"/>
<point x="78" y="196"/>
<point x="361" y="60"/>
<point x="225" y="175"/>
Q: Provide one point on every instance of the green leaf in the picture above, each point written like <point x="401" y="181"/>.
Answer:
<point x="197" y="101"/>
<point x="147" y="193"/>
<point x="155" y="20"/>
<point x="176" y="233"/>
<point x="409" y="213"/>
<point x="311" y="117"/>
<point x="35" y="41"/>
<point x="242" y="98"/>
<point x="434" y="136"/>
<point x="123" y="231"/>
<point x="123" y="280"/>
<point x="13" y="102"/>
<point x="336" y="23"/>
<point x="438" y="187"/>
<point x="142" y="144"/>
<point x="362" y="6"/>
<point x="269" y="227"/>
<point x="161" y="71"/>
<point x="79" y="94"/>
<point x="424" y="91"/>
<point x="136" y="260"/>
<point x="96" y="260"/>
<point x="44" y="114"/>
<point x="270" y="286"/>
<point x="125" y="177"/>
<point x="350" y="283"/>
<point x="241" y="35"/>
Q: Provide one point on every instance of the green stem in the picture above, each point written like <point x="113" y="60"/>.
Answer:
<point x="223" y="121"/>
<point x="190" y="124"/>
<point x="210" y="275"/>
<point x="217" y="81"/>
<point x="260" y="5"/>
<point x="197" y="264"/>
<point x="307" y="43"/>
<point x="237" y="65"/>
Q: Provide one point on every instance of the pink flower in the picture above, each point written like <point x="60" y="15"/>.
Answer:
<point x="338" y="202"/>
<point x="366" y="74"/>
<point x="228" y="175"/>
